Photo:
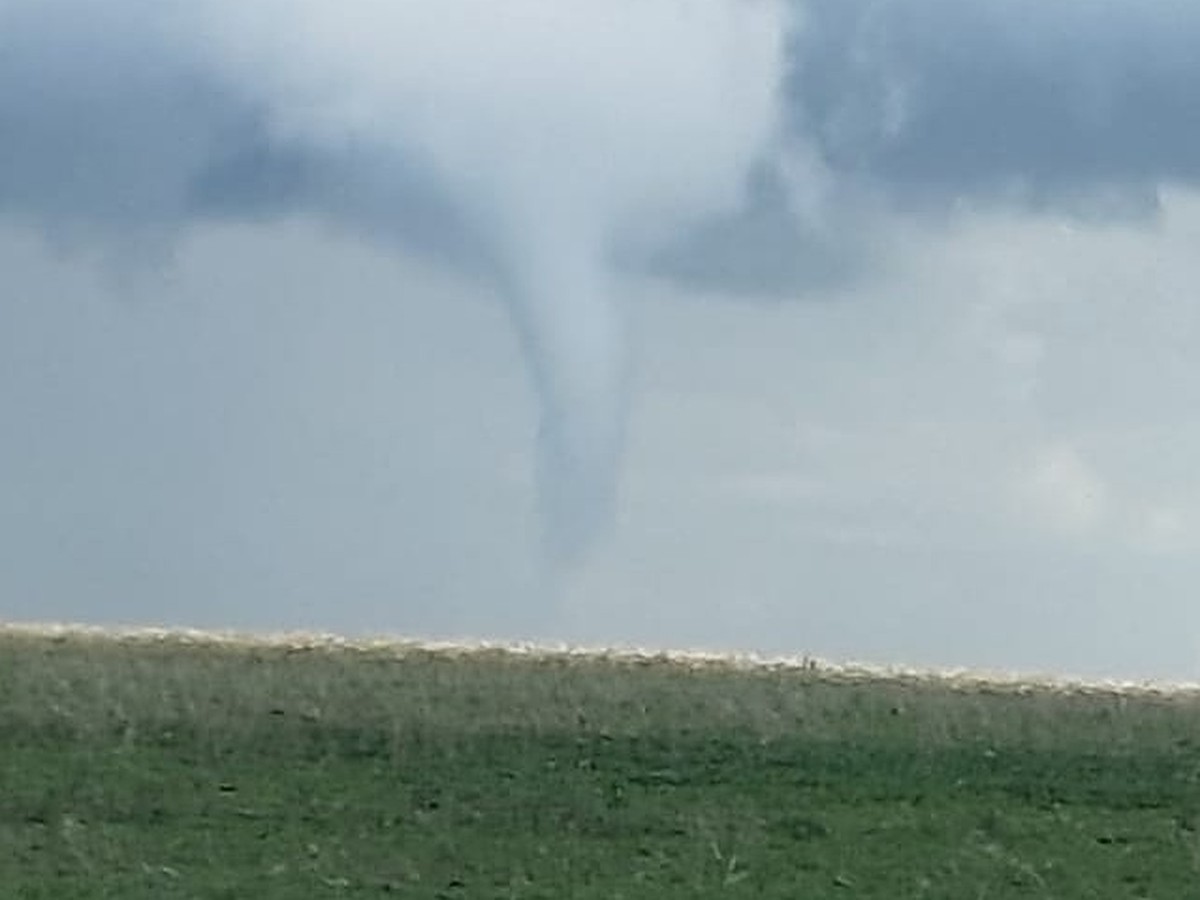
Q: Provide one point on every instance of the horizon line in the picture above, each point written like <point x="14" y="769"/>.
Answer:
<point x="957" y="678"/>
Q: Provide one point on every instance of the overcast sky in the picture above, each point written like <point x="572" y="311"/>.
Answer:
<point x="866" y="330"/>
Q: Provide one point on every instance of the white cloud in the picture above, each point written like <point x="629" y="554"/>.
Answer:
<point x="1062" y="493"/>
<point x="610" y="114"/>
<point x="1166" y="530"/>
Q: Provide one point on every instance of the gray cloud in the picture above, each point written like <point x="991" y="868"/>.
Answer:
<point x="536" y="162"/>
<point x="103" y="123"/>
<point x="118" y="119"/>
<point x="1041" y="102"/>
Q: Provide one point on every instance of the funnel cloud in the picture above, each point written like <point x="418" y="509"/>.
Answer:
<point x="554" y="130"/>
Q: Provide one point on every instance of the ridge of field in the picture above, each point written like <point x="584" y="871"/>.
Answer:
<point x="172" y="763"/>
<point x="960" y="677"/>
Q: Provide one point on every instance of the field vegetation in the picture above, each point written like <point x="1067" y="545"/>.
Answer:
<point x="180" y="767"/>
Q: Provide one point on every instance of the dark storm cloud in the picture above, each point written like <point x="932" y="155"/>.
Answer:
<point x="109" y="129"/>
<point x="1042" y="102"/>
<point x="101" y="122"/>
<point x="111" y="121"/>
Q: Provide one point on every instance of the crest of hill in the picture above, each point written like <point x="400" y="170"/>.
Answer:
<point x="715" y="662"/>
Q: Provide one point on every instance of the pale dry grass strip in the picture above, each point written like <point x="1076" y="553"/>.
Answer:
<point x="958" y="679"/>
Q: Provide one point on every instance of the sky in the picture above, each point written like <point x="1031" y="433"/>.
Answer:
<point x="863" y="330"/>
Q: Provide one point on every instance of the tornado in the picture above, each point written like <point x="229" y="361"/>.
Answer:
<point x="532" y="143"/>
<point x="560" y="131"/>
<point x="572" y="333"/>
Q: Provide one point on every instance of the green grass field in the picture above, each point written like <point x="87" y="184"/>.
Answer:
<point x="173" y="768"/>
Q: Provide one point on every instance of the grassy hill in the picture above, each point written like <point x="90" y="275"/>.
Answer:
<point x="177" y="767"/>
